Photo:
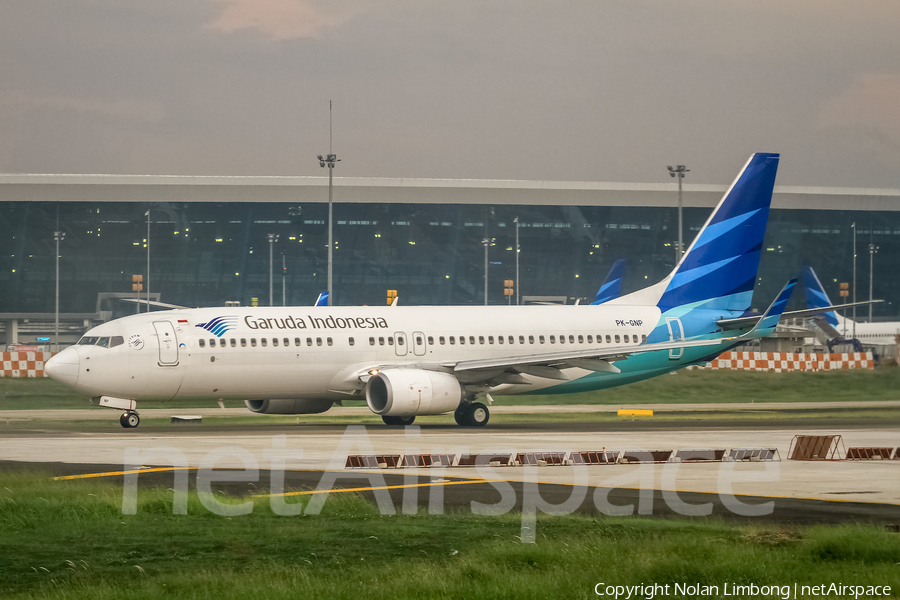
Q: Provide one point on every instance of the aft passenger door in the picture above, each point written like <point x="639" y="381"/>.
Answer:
<point x="168" y="343"/>
<point x="676" y="333"/>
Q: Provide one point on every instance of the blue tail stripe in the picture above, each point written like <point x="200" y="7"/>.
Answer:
<point x="816" y="296"/>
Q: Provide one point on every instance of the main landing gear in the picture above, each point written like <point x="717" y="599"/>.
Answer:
<point x="129" y="420"/>
<point x="472" y="415"/>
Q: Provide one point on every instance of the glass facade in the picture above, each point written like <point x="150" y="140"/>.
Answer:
<point x="204" y="254"/>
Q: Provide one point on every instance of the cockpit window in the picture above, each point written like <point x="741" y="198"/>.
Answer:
<point x="103" y="342"/>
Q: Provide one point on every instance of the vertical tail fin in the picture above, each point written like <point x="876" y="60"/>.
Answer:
<point x="816" y="296"/>
<point x="719" y="269"/>
<point x="612" y="285"/>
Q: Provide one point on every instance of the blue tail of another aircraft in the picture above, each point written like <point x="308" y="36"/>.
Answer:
<point x="816" y="296"/>
<point x="612" y="285"/>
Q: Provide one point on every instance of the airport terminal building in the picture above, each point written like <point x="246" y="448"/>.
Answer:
<point x="209" y="240"/>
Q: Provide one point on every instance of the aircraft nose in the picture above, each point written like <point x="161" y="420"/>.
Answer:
<point x="63" y="367"/>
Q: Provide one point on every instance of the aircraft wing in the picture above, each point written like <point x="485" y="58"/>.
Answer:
<point x="598" y="359"/>
<point x="794" y="314"/>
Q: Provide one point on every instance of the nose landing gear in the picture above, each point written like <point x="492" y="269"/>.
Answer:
<point x="129" y="420"/>
<point x="475" y="414"/>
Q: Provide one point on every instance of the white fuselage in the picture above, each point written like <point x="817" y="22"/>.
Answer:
<point x="875" y="334"/>
<point x="319" y="352"/>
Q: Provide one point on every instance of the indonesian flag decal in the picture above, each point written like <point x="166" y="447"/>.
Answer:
<point x="182" y="321"/>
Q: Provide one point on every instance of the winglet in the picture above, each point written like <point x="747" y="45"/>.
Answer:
<point x="769" y="320"/>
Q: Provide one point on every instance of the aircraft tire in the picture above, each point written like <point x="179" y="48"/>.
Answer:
<point x="478" y="414"/>
<point x="461" y="416"/>
<point x="130" y="420"/>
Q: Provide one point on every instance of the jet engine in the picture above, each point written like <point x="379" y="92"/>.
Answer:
<point x="288" y="406"/>
<point x="407" y="392"/>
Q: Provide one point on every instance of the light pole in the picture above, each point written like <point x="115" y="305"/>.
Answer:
<point x="273" y="237"/>
<point x="329" y="160"/>
<point x="516" y="221"/>
<point x="873" y="249"/>
<point x="486" y="242"/>
<point x="283" y="281"/>
<point x="58" y="236"/>
<point x="148" y="261"/>
<point x="853" y="226"/>
<point x="679" y="171"/>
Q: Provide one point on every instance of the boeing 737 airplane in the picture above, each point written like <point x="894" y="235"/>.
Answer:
<point x="428" y="360"/>
<point x="837" y="327"/>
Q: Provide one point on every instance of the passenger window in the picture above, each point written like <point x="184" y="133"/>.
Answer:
<point x="541" y="339"/>
<point x="221" y="342"/>
<point x="286" y="341"/>
<point x="480" y="339"/>
<point x="263" y="342"/>
<point x="329" y="341"/>
<point x="243" y="342"/>
<point x="390" y="340"/>
<point x="462" y="340"/>
<point x="419" y="340"/>
<point x="275" y="342"/>
<point x="116" y="340"/>
<point x="511" y="339"/>
<point x="590" y="339"/>
<point x="381" y="341"/>
<point x="499" y="339"/>
<point x="643" y="339"/>
<point x="253" y="342"/>
<point x="318" y="341"/>
<point x="608" y="340"/>
<point x="522" y="339"/>
<point x="562" y="339"/>
<point x="490" y="339"/>
<point x="400" y="341"/>
<point x="472" y="339"/>
<point x="202" y="343"/>
<point x="309" y="341"/>
<point x="441" y="340"/>
<point x="431" y="341"/>
<point x="371" y="341"/>
<point x="351" y="341"/>
<point x="580" y="339"/>
<point x="552" y="339"/>
<point x="296" y="341"/>
<point x="571" y="339"/>
<point x="617" y="339"/>
<point x="625" y="338"/>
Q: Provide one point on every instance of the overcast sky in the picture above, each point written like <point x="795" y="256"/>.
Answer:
<point x="584" y="90"/>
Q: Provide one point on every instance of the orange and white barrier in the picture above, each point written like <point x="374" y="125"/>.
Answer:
<point x="790" y="361"/>
<point x="24" y="364"/>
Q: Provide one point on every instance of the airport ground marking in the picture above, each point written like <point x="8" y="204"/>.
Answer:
<point x="114" y="473"/>
<point x="372" y="489"/>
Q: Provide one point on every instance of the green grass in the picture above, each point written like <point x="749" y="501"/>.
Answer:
<point x="69" y="539"/>
<point x="694" y="386"/>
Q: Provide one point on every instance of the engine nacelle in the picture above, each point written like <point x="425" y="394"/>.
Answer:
<point x="407" y="392"/>
<point x="284" y="406"/>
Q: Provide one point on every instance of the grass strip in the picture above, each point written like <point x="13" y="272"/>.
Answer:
<point x="69" y="539"/>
